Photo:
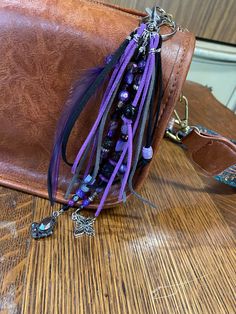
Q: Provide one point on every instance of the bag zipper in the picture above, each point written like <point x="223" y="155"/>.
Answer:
<point x="117" y="8"/>
<point x="127" y="11"/>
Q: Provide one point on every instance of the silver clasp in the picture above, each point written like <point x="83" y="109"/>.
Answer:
<point x="158" y="17"/>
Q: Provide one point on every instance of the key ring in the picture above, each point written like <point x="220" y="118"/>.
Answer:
<point x="158" y="17"/>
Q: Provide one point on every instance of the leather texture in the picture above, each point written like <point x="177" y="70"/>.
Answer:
<point x="45" y="45"/>
<point x="212" y="154"/>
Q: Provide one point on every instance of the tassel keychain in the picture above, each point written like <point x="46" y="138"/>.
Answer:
<point x="126" y="111"/>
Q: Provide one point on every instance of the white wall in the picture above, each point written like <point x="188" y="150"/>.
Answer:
<point x="214" y="65"/>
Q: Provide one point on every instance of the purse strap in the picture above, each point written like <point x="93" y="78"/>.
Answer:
<point x="211" y="153"/>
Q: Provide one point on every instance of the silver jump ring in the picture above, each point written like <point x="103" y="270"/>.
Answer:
<point x="174" y="30"/>
<point x="156" y="18"/>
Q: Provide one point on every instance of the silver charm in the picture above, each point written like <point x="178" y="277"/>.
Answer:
<point x="83" y="225"/>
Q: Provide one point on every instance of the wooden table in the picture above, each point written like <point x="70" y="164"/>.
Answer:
<point x="178" y="258"/>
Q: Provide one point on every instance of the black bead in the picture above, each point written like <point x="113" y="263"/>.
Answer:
<point x="108" y="143"/>
<point x="125" y="87"/>
<point x="132" y="67"/>
<point x="116" y="114"/>
<point x="116" y="156"/>
<point x="75" y="198"/>
<point x="99" y="184"/>
<point x="137" y="79"/>
<point x="130" y="112"/>
<point x="65" y="207"/>
<point x="107" y="170"/>
<point x="124" y="137"/>
<point x="141" y="65"/>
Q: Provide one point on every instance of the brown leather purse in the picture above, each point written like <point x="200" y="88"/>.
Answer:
<point x="45" y="46"/>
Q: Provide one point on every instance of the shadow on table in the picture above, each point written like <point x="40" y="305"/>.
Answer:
<point x="211" y="185"/>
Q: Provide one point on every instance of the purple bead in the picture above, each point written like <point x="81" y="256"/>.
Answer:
<point x="110" y="133"/>
<point x="80" y="193"/>
<point x="113" y="125"/>
<point x="85" y="202"/>
<point x="103" y="178"/>
<point x="141" y="65"/>
<point x="108" y="59"/>
<point x="124" y="129"/>
<point x="122" y="168"/>
<point x="112" y="162"/>
<point x="147" y="153"/>
<point x="84" y="188"/>
<point x="124" y="95"/>
<point x="71" y="203"/>
<point x="119" y="146"/>
<point x="129" y="77"/>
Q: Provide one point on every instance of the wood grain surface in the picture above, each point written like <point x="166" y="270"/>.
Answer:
<point x="211" y="19"/>
<point x="178" y="258"/>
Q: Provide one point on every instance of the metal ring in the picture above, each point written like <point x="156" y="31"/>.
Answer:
<point x="157" y="17"/>
<point x="55" y="214"/>
<point x="174" y="30"/>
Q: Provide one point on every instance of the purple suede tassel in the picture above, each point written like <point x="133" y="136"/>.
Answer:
<point x="108" y="94"/>
<point x="144" y="84"/>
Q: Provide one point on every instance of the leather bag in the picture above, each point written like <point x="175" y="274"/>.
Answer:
<point x="44" y="46"/>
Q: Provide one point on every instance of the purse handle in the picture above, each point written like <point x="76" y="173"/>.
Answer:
<point x="210" y="152"/>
